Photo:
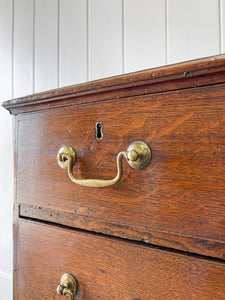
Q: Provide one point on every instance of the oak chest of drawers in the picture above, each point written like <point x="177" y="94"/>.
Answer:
<point x="157" y="231"/>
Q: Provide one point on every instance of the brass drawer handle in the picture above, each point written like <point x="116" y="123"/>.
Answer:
<point x="68" y="286"/>
<point x="138" y="156"/>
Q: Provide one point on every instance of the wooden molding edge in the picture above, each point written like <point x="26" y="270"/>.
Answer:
<point x="172" y="77"/>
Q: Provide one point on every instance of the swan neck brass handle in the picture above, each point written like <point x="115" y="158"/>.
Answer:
<point x="68" y="286"/>
<point x="138" y="156"/>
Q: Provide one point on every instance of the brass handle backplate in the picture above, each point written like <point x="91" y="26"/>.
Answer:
<point x="68" y="286"/>
<point x="138" y="156"/>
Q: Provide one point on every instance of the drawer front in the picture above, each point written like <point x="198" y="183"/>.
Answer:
<point x="181" y="192"/>
<point x="109" y="269"/>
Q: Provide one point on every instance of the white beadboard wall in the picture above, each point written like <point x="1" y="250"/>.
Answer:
<point x="46" y="44"/>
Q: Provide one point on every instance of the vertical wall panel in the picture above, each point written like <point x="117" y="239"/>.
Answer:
<point x="6" y="150"/>
<point x="193" y="29"/>
<point x="105" y="38"/>
<point x="6" y="286"/>
<point x="23" y="51"/>
<point x="144" y="34"/>
<point x="46" y="45"/>
<point x="72" y="42"/>
<point x="6" y="14"/>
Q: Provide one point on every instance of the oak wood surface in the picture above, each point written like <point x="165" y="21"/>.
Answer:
<point x="15" y="213"/>
<point x="170" y="239"/>
<point x="182" y="190"/>
<point x="109" y="268"/>
<point x="200" y="72"/>
<point x="176" y="202"/>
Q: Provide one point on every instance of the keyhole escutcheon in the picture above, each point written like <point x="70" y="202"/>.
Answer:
<point x="98" y="131"/>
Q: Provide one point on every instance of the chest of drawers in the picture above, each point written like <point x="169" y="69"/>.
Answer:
<point x="157" y="231"/>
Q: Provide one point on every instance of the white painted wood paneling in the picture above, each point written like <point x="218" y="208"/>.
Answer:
<point x="6" y="150"/>
<point x="23" y="47"/>
<point x="6" y="20"/>
<point x="144" y="34"/>
<point x="72" y="42"/>
<point x="46" y="45"/>
<point x="6" y="287"/>
<point x="193" y="29"/>
<point x="105" y="38"/>
<point x="222" y="24"/>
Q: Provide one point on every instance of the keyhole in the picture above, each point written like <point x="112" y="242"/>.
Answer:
<point x="98" y="131"/>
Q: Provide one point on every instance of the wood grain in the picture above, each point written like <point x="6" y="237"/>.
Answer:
<point x="15" y="215"/>
<point x="110" y="269"/>
<point x="170" y="239"/>
<point x="182" y="190"/>
<point x="194" y="73"/>
<point x="175" y="202"/>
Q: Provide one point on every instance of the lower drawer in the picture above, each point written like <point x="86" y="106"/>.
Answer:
<point x="106" y="268"/>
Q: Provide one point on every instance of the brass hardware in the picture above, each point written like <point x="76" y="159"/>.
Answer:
<point x="138" y="156"/>
<point x="64" y="154"/>
<point x="68" y="286"/>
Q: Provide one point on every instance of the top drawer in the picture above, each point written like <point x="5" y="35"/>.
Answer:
<point x="176" y="201"/>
